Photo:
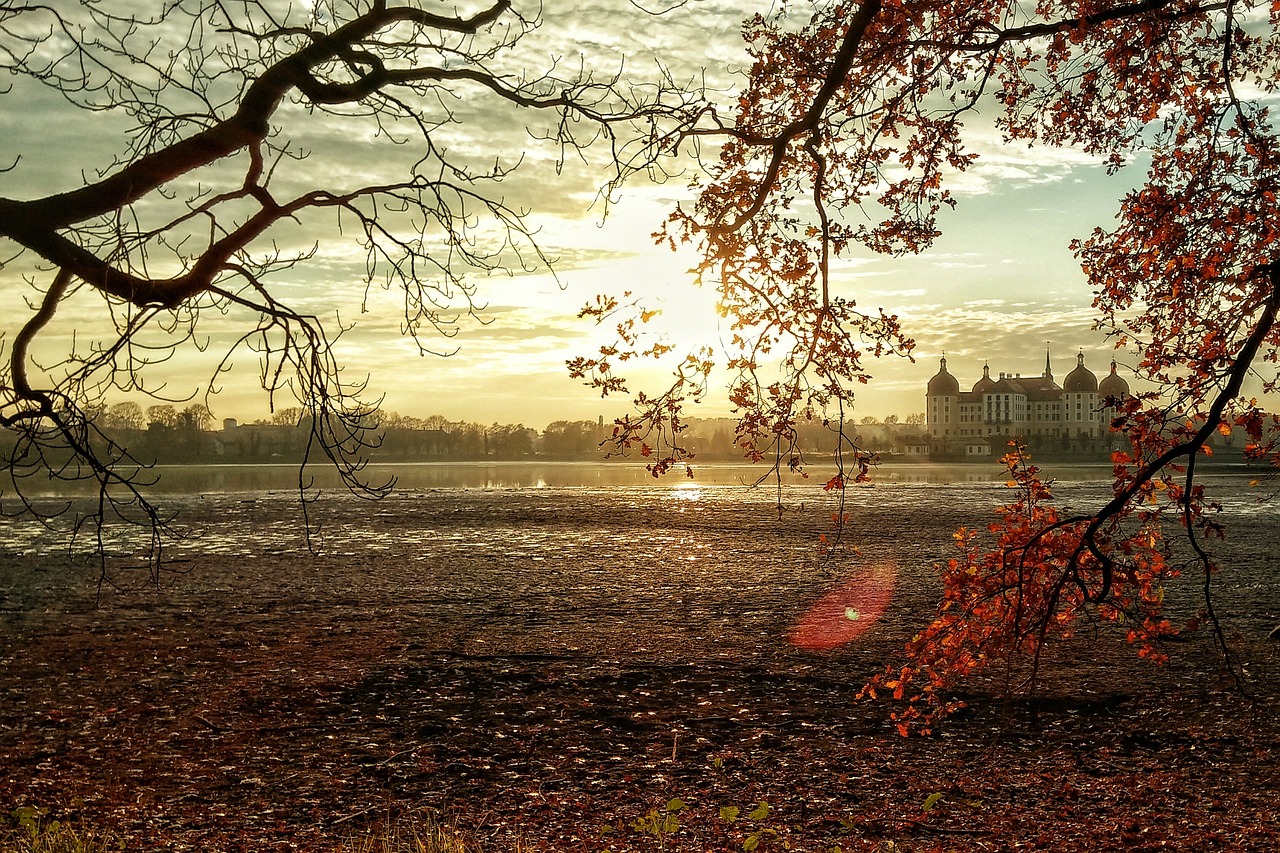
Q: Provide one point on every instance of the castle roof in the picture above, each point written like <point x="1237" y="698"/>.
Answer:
<point x="1007" y="385"/>
<point x="1113" y="385"/>
<point x="943" y="384"/>
<point x="985" y="383"/>
<point x="1044" y="391"/>
<point x="1031" y="387"/>
<point x="1080" y="380"/>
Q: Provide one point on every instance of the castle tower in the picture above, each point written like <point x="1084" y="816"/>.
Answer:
<point x="1082" y="415"/>
<point x="942" y="406"/>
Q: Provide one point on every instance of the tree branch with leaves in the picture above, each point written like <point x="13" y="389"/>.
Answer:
<point x="853" y="121"/>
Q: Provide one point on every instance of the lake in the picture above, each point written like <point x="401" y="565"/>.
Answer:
<point x="204" y="479"/>
<point x="558" y="556"/>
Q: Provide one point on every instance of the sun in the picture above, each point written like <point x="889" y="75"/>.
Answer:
<point x="674" y="309"/>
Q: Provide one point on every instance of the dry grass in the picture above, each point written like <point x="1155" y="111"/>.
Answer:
<point x="422" y="833"/>
<point x="34" y="834"/>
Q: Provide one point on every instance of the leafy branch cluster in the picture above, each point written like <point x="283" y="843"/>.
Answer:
<point x="853" y="121"/>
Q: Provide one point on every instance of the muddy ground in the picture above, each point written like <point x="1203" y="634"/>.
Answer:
<point x="264" y="698"/>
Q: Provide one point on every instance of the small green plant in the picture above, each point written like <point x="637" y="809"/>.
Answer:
<point x="756" y="838"/>
<point x="33" y="832"/>
<point x="931" y="802"/>
<point x="661" y="823"/>
<point x="760" y="834"/>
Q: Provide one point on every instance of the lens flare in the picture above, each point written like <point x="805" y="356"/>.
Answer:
<point x="849" y="610"/>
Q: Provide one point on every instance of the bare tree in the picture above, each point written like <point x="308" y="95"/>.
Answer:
<point x="126" y="415"/>
<point x="197" y="417"/>
<point x="214" y="194"/>
<point x="164" y="415"/>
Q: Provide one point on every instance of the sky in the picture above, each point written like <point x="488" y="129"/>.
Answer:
<point x="997" y="288"/>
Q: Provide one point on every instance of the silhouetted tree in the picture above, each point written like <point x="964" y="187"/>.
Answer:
<point x="213" y="184"/>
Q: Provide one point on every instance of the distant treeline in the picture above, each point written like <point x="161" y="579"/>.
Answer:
<point x="167" y="434"/>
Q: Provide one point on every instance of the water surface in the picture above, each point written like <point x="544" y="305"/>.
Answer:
<point x="550" y="558"/>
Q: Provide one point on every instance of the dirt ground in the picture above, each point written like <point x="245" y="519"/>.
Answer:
<point x="226" y="721"/>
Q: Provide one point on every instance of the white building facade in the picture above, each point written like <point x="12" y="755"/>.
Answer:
<point x="1035" y="409"/>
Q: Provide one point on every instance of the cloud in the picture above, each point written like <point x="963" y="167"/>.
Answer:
<point x="968" y="265"/>
<point x="904" y="294"/>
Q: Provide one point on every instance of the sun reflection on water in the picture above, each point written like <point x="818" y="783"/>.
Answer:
<point x="687" y="491"/>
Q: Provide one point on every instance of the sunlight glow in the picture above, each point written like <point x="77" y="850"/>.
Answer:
<point x="687" y="491"/>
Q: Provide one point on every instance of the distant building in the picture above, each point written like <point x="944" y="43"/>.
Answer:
<point x="979" y="422"/>
<point x="915" y="445"/>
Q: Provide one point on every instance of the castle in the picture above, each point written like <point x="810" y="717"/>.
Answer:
<point x="979" y="422"/>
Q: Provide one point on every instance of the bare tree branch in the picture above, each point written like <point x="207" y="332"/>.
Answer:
<point x="183" y="223"/>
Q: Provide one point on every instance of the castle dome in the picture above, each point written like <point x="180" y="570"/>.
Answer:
<point x="943" y="384"/>
<point x="1081" y="380"/>
<point x="986" y="383"/>
<point x="1113" y="385"/>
